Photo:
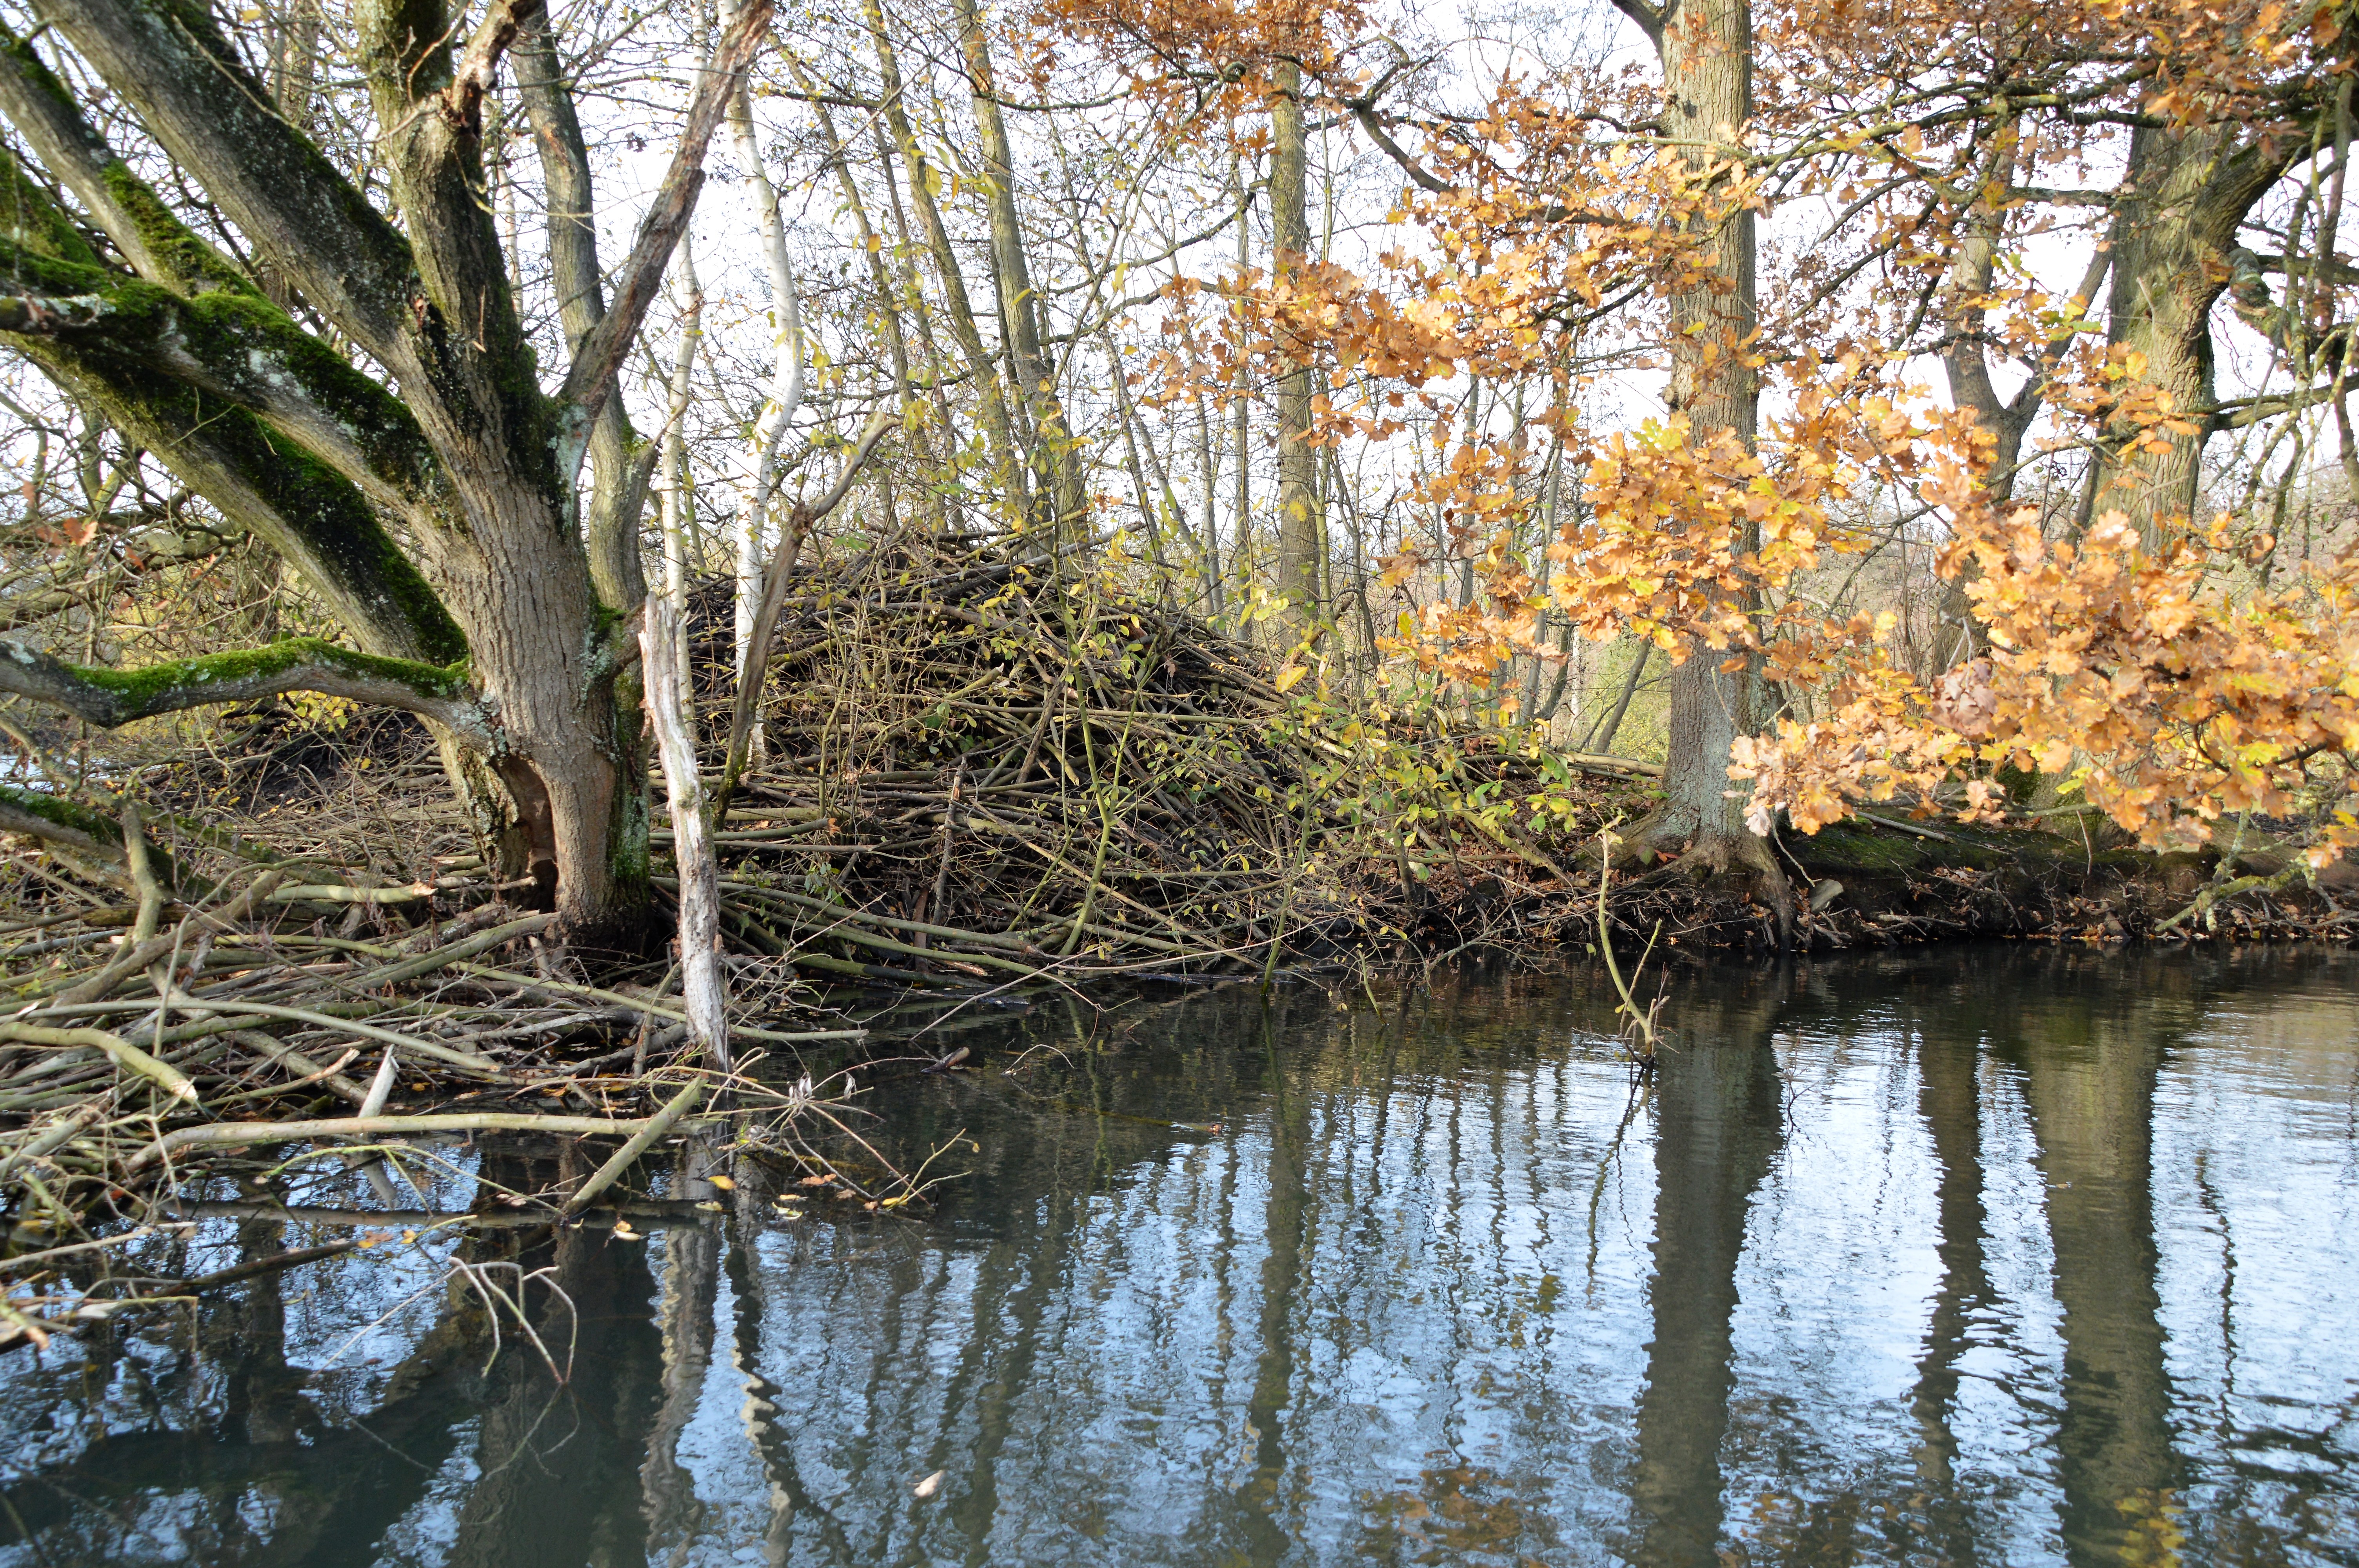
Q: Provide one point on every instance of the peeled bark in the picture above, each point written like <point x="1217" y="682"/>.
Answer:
<point x="700" y="889"/>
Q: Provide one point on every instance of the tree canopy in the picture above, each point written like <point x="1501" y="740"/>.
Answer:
<point x="1953" y="398"/>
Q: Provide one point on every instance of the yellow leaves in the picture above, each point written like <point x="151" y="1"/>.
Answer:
<point x="1290" y="677"/>
<point x="2175" y="706"/>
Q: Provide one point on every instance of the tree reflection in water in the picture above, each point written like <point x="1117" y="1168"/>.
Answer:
<point x="1947" y="1258"/>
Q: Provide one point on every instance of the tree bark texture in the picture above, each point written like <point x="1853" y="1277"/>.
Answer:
<point x="2173" y="243"/>
<point x="700" y="988"/>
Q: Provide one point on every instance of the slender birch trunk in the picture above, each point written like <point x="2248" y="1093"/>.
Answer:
<point x="758" y="481"/>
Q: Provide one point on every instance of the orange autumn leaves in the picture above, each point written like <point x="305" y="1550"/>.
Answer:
<point x="2171" y="688"/>
<point x="2175" y="694"/>
<point x="2175" y="683"/>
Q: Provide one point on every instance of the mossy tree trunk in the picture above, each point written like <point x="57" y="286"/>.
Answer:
<point x="500" y="591"/>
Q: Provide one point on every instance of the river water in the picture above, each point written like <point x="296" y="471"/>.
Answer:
<point x="1966" y="1255"/>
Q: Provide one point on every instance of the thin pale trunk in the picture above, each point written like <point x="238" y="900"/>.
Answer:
<point x="1208" y="466"/>
<point x="295" y="65"/>
<point x="1151" y="509"/>
<point x="880" y="278"/>
<point x="1243" y="554"/>
<point x="1055" y="465"/>
<point x="679" y="499"/>
<point x="1301" y="531"/>
<point x="913" y="293"/>
<point x="1600" y="735"/>
<point x="991" y="402"/>
<point x="758" y="480"/>
<point x="701" y="989"/>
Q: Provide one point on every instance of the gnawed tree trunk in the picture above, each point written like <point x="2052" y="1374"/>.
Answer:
<point x="699" y="890"/>
<point x="284" y="435"/>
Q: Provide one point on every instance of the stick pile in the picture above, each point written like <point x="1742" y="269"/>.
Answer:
<point x="972" y="776"/>
<point x="993" y="772"/>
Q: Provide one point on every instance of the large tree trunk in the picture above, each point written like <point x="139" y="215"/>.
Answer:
<point x="2173" y="240"/>
<point x="1707" y="58"/>
<point x="472" y="456"/>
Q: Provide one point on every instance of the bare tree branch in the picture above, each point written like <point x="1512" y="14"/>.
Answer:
<point x="591" y="380"/>
<point x="462" y="101"/>
<point x="112" y="697"/>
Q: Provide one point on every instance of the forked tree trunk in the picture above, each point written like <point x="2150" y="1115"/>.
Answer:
<point x="471" y="456"/>
<point x="2173" y="243"/>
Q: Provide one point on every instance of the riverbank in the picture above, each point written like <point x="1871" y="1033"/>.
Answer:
<point x="974" y="789"/>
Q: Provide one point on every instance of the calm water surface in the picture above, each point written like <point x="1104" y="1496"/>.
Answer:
<point x="1976" y="1254"/>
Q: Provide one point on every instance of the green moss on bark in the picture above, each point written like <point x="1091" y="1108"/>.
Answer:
<point x="189" y="261"/>
<point x="126" y="695"/>
<point x="310" y="512"/>
<point x="35" y="223"/>
<point x="63" y="813"/>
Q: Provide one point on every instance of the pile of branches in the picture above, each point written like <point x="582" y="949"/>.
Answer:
<point x="993" y="771"/>
<point x="974" y="776"/>
<point x="232" y="1004"/>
